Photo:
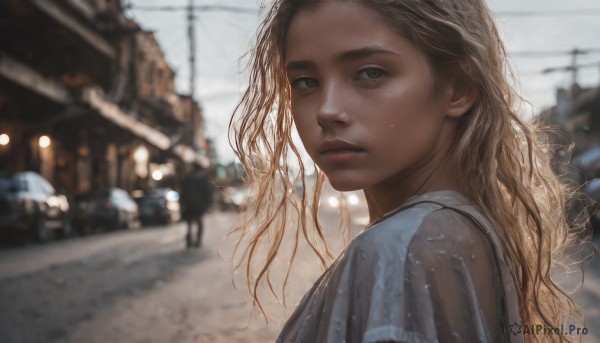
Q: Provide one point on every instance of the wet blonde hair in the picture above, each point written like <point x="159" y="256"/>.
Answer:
<point x="497" y="151"/>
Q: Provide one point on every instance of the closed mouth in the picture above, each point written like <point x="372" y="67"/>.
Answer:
<point x="337" y="150"/>
<point x="333" y="145"/>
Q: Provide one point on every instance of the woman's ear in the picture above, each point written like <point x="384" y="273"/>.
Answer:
<point x="463" y="95"/>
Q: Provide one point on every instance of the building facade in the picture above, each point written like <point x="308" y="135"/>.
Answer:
<point x="88" y="100"/>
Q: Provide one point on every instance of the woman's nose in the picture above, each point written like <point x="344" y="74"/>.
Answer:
<point x="332" y="106"/>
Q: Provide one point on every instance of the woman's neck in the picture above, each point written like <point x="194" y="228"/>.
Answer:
<point x="393" y="192"/>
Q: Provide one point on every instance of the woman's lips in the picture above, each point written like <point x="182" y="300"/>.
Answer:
<point x="339" y="150"/>
<point x="341" y="155"/>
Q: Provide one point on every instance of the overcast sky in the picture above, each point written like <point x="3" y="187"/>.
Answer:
<point x="222" y="38"/>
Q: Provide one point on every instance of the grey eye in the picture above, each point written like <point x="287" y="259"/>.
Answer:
<point x="371" y="74"/>
<point x="305" y="82"/>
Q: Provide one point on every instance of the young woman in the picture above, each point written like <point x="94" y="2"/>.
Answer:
<point x="409" y="101"/>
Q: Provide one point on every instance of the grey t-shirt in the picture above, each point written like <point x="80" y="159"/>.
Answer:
<point x="431" y="270"/>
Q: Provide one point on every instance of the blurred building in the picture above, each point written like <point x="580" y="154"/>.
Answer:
<point x="88" y="100"/>
<point x="577" y="115"/>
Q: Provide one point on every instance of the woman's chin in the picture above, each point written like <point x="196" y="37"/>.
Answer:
<point x="345" y="184"/>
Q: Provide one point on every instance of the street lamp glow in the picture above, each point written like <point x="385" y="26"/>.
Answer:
<point x="141" y="154"/>
<point x="4" y="139"/>
<point x="44" y="142"/>
<point x="157" y="175"/>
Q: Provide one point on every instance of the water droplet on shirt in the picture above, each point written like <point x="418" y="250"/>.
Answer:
<point x="392" y="125"/>
<point x="427" y="286"/>
<point x="472" y="256"/>
<point x="442" y="252"/>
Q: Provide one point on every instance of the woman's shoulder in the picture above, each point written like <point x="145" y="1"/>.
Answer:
<point x="444" y="216"/>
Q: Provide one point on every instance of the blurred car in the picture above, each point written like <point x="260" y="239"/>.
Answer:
<point x="349" y="198"/>
<point x="107" y="209"/>
<point x="354" y="201"/>
<point x="29" y="203"/>
<point x="160" y="206"/>
<point x="592" y="189"/>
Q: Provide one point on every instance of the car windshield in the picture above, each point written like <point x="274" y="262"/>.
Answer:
<point x="11" y="184"/>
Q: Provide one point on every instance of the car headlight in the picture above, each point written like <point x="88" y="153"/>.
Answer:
<point x="52" y="201"/>
<point x="353" y="199"/>
<point x="333" y="201"/>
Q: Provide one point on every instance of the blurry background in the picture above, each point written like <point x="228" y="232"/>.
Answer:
<point x="106" y="105"/>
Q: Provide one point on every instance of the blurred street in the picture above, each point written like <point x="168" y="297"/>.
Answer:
<point x="144" y="286"/>
<point x="127" y="286"/>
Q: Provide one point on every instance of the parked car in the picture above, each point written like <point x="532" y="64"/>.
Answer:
<point x="592" y="189"/>
<point x="29" y="204"/>
<point x="107" y="209"/>
<point x="331" y="201"/>
<point x="160" y="206"/>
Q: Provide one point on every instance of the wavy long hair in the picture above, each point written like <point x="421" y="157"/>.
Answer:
<point x="497" y="151"/>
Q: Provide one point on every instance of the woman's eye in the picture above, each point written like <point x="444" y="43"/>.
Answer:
<point x="370" y="74"/>
<point x="305" y="82"/>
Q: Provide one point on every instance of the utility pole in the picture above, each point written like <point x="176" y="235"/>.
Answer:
<point x="192" y="59"/>
<point x="574" y="67"/>
<point x="191" y="27"/>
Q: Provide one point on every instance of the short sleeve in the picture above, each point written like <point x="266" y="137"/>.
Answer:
<point x="444" y="287"/>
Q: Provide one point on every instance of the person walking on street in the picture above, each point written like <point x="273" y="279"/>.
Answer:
<point x="196" y="198"/>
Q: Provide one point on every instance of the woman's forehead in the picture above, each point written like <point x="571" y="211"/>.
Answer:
<point x="339" y="28"/>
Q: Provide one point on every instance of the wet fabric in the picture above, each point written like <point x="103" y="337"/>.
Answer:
<point x="432" y="270"/>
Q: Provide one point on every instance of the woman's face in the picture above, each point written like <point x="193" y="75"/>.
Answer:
<point x="363" y="97"/>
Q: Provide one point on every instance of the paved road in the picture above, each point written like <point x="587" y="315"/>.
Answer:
<point x="144" y="286"/>
<point x="129" y="286"/>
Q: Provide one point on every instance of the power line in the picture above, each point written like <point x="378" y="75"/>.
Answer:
<point x="202" y="8"/>
<point x="571" y="67"/>
<point x="532" y="13"/>
<point x="553" y="53"/>
<point x="550" y="13"/>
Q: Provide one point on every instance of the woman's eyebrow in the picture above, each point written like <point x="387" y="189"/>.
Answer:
<point x="362" y="52"/>
<point x="341" y="57"/>
<point x="298" y="65"/>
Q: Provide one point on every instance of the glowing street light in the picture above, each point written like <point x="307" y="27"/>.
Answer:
<point x="4" y="139"/>
<point x="157" y="175"/>
<point x="44" y="142"/>
<point x="141" y="154"/>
